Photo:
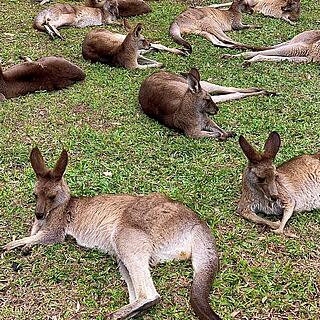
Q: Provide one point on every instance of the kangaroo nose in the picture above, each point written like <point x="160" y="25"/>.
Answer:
<point x="273" y="197"/>
<point x="39" y="215"/>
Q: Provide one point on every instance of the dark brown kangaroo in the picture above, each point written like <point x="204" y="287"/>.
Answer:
<point x="183" y="103"/>
<point x="50" y="73"/>
<point x="137" y="230"/>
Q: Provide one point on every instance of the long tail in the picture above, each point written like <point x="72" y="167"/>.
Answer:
<point x="205" y="265"/>
<point x="175" y="33"/>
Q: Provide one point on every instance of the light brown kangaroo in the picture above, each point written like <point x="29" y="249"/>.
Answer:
<point x="116" y="49"/>
<point x="305" y="47"/>
<point x="288" y="10"/>
<point x="184" y="102"/>
<point x="50" y="73"/>
<point x="137" y="230"/>
<point x="59" y="15"/>
<point x="292" y="187"/>
<point x="211" y="23"/>
<point x="127" y="8"/>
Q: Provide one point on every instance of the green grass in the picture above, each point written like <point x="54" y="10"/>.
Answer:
<point x="263" y="276"/>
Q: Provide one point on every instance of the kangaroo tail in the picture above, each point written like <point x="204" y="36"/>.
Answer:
<point x="175" y="33"/>
<point x="205" y="265"/>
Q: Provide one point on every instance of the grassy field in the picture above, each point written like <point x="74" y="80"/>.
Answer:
<point x="263" y="275"/>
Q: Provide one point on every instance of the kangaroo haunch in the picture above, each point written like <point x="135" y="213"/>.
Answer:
<point x="183" y="103"/>
<point x="49" y="73"/>
<point x="292" y="187"/>
<point x="137" y="230"/>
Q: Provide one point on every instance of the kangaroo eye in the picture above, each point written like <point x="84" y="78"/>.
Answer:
<point x="261" y="180"/>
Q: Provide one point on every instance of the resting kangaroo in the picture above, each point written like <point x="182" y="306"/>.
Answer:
<point x="292" y="187"/>
<point x="288" y="10"/>
<point x="305" y="47"/>
<point x="127" y="8"/>
<point x="119" y="50"/>
<point x="50" y="73"/>
<point x="137" y="230"/>
<point x="211" y="23"/>
<point x="183" y="103"/>
<point x="59" y="15"/>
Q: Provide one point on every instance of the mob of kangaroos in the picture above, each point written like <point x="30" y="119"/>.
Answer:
<point x="288" y="10"/>
<point x="56" y="16"/>
<point x="294" y="186"/>
<point x="211" y="23"/>
<point x="50" y="73"/>
<point x="303" y="48"/>
<point x="184" y="102"/>
<point x="137" y="230"/>
<point x="116" y="49"/>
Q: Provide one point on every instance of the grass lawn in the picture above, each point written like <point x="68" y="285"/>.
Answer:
<point x="263" y="275"/>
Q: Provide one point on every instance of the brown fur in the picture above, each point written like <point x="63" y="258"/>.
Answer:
<point x="137" y="230"/>
<point x="292" y="187"/>
<point x="127" y="8"/>
<point x="50" y="73"/>
<point x="56" y="16"/>
<point x="211" y="23"/>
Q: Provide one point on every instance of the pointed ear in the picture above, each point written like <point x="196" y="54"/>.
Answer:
<point x="252" y="155"/>
<point x="193" y="79"/>
<point x="137" y="30"/>
<point x="126" y="25"/>
<point x="37" y="163"/>
<point x="61" y="165"/>
<point x="272" y="145"/>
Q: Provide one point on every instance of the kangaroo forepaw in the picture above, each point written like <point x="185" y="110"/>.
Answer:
<point x="246" y="64"/>
<point x="227" y="135"/>
<point x="227" y="56"/>
<point x="286" y="234"/>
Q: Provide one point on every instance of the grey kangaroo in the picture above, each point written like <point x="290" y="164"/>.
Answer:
<point x="138" y="231"/>
<point x="49" y="73"/>
<point x="294" y="186"/>
<point x="184" y="103"/>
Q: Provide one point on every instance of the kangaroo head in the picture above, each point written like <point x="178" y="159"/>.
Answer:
<point x="50" y="190"/>
<point x="111" y="6"/>
<point x="292" y="9"/>
<point x="261" y="173"/>
<point x="241" y="6"/>
<point x="201" y="99"/>
<point x="95" y="3"/>
<point x="138" y="38"/>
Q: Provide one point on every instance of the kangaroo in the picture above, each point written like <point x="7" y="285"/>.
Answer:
<point x="292" y="187"/>
<point x="211" y="23"/>
<point x="288" y="10"/>
<point x="127" y="8"/>
<point x="184" y="102"/>
<point x="59" y="15"/>
<point x="137" y="230"/>
<point x="116" y="49"/>
<point x="305" y="47"/>
<point x="50" y="73"/>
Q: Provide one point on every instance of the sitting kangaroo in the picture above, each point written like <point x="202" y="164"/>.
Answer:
<point x="305" y="47"/>
<point x="183" y="103"/>
<point x="127" y="8"/>
<point x="137" y="230"/>
<point x="292" y="187"/>
<point x="288" y="10"/>
<point x="59" y="15"/>
<point x="50" y="73"/>
<point x="116" y="49"/>
<point x="211" y="23"/>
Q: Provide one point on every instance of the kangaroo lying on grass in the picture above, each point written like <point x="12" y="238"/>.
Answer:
<point x="183" y="103"/>
<point x="59" y="15"/>
<point x="50" y="73"/>
<point x="288" y="10"/>
<point x="292" y="187"/>
<point x="211" y="23"/>
<point x="305" y="47"/>
<point x="127" y="8"/>
<point x="137" y="230"/>
<point x="116" y="49"/>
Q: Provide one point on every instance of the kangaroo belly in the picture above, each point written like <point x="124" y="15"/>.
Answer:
<point x="308" y="197"/>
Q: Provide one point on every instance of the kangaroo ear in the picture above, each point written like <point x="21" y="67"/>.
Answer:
<point x="272" y="145"/>
<point x="37" y="163"/>
<point x="137" y="30"/>
<point x="193" y="79"/>
<point x="126" y="25"/>
<point x="61" y="165"/>
<point x="252" y="155"/>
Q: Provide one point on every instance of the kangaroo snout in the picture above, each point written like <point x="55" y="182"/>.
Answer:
<point x="39" y="215"/>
